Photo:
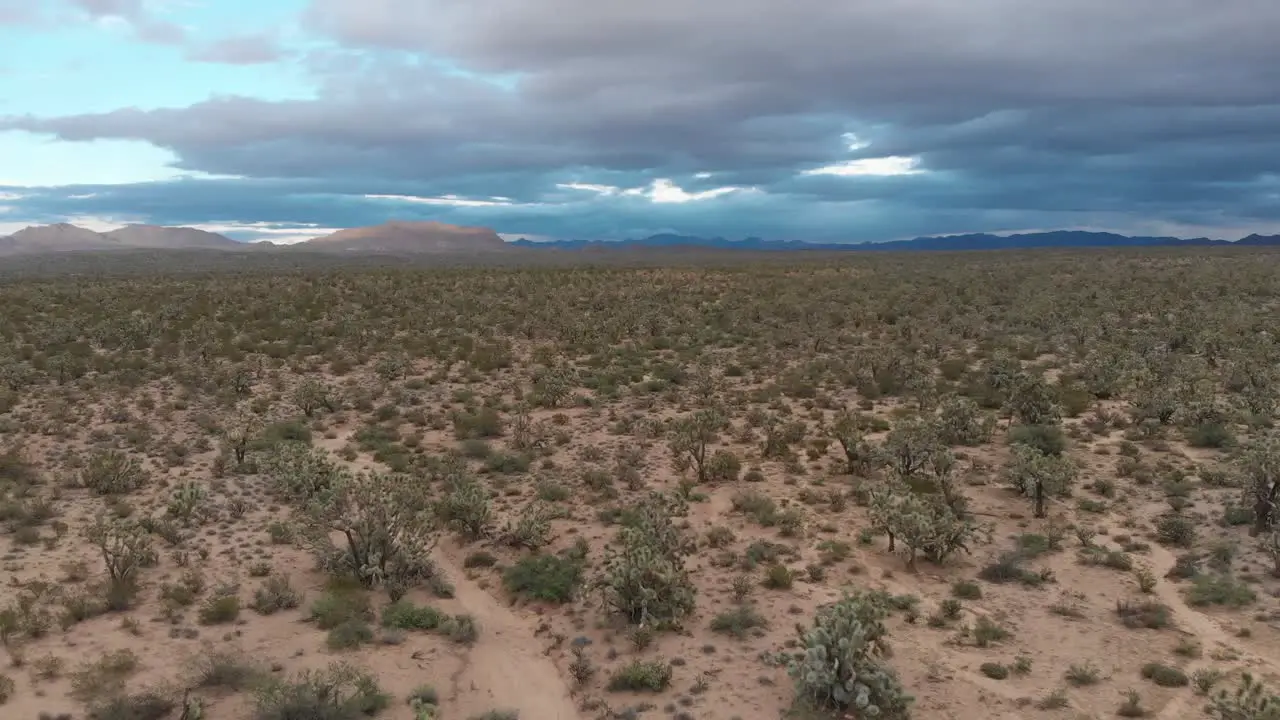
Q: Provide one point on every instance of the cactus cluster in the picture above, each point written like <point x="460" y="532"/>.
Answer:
<point x="843" y="666"/>
<point x="1250" y="701"/>
<point x="644" y="578"/>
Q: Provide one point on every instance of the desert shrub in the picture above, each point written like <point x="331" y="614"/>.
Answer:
<point x="723" y="466"/>
<point x="275" y="594"/>
<point x="112" y="472"/>
<point x="225" y="669"/>
<point x="1214" y="589"/>
<point x="146" y="705"/>
<point x="994" y="670"/>
<point x="757" y="505"/>
<point x="1044" y="439"/>
<point x="103" y="677"/>
<point x="461" y="628"/>
<point x="1150" y="614"/>
<point x="644" y="577"/>
<point x="339" y="692"/>
<point x="641" y="676"/>
<point x="349" y="634"/>
<point x="483" y="423"/>
<point x="1210" y="435"/>
<point x="221" y="607"/>
<point x="339" y="605"/>
<point x="404" y="615"/>
<point x="1165" y="676"/>
<point x="1176" y="530"/>
<point x="738" y="622"/>
<point x="843" y="667"/>
<point x="547" y="578"/>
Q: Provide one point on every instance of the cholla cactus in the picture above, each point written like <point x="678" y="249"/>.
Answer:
<point x="532" y="529"/>
<point x="962" y="422"/>
<point x="645" y="580"/>
<point x="1250" y="701"/>
<point x="1036" y="475"/>
<point x="301" y="474"/>
<point x="921" y="523"/>
<point x="466" y="508"/>
<point x="387" y="525"/>
<point x="187" y="502"/>
<point x="842" y="667"/>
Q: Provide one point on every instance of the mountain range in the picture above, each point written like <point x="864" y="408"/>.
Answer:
<point x="974" y="241"/>
<point x="413" y="238"/>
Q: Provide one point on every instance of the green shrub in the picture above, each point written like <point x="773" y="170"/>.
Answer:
<point x="404" y="615"/>
<point x="641" y="675"/>
<point x="221" y="607"/>
<point x="112" y="472"/>
<point x="146" y="705"/>
<point x="546" y="578"/>
<point x="738" y="621"/>
<point x="1176" y="530"/>
<point x="275" y="594"/>
<point x="993" y="670"/>
<point x="1165" y="676"/>
<point x="349" y="634"/>
<point x="339" y="692"/>
<point x="338" y="606"/>
<point x="1212" y="589"/>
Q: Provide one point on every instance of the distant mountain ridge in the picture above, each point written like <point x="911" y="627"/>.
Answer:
<point x="973" y="241"/>
<point x="397" y="237"/>
<point x="434" y="238"/>
<point x="65" y="237"/>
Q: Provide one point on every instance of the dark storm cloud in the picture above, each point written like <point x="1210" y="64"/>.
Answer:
<point x="1019" y="114"/>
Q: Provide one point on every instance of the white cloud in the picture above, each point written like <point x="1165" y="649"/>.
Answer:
<point x="881" y="166"/>
<point x="589" y="187"/>
<point x="663" y="190"/>
<point x="9" y="196"/>
<point x="447" y="200"/>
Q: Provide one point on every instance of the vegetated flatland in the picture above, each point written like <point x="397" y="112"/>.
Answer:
<point x="1008" y="485"/>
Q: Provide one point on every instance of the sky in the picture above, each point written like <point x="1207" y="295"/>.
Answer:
<point x="802" y="120"/>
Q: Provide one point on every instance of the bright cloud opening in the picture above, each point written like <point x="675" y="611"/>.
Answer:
<point x="589" y="187"/>
<point x="876" y="167"/>
<point x="663" y="190"/>
<point x="446" y="200"/>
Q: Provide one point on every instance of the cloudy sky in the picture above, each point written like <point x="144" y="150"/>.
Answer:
<point x="805" y="119"/>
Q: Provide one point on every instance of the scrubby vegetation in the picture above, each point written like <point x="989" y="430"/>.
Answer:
<point x="718" y="488"/>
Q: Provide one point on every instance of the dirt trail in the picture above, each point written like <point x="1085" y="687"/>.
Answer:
<point x="1204" y="628"/>
<point x="505" y="669"/>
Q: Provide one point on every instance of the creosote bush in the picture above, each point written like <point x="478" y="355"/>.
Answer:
<point x="112" y="472"/>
